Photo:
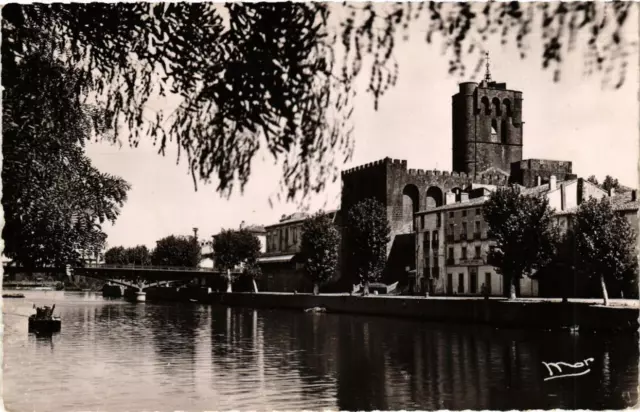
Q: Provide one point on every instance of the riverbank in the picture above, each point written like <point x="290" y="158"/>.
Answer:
<point x="521" y="313"/>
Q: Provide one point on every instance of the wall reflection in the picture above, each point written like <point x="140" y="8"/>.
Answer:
<point x="196" y="357"/>
<point x="379" y="363"/>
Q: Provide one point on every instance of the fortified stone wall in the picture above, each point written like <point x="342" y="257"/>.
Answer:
<point x="403" y="192"/>
<point x="526" y="172"/>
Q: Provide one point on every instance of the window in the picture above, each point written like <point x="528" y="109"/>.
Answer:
<point x="451" y="214"/>
<point x="464" y="213"/>
<point x="478" y="211"/>
<point x="438" y="221"/>
<point x="477" y="252"/>
<point x="286" y="237"/>
<point x="477" y="226"/>
<point x="464" y="230"/>
<point x="460" y="282"/>
<point x="449" y="283"/>
<point x="295" y="234"/>
<point x="422" y="221"/>
<point x="450" y="255"/>
<point x="425" y="242"/>
<point x="435" y="236"/>
<point x="464" y="252"/>
<point x="487" y="106"/>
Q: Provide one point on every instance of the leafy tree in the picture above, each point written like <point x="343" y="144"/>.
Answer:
<point x="54" y="200"/>
<point x="174" y="250"/>
<point x="247" y="74"/>
<point x="232" y="248"/>
<point x="593" y="179"/>
<point x="253" y="272"/>
<point x="367" y="238"/>
<point x="319" y="248"/>
<point x="119" y="255"/>
<point x="610" y="183"/>
<point x="526" y="239"/>
<point x="115" y="256"/>
<point x="138" y="255"/>
<point x="605" y="243"/>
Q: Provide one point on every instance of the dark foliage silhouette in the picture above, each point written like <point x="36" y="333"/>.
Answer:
<point x="55" y="202"/>
<point x="281" y="76"/>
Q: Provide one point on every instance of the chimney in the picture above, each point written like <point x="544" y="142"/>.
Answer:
<point x="538" y="180"/>
<point x="464" y="197"/>
<point x="450" y="198"/>
<point x="552" y="182"/>
<point x="634" y="195"/>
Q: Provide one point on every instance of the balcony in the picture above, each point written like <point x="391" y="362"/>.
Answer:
<point x="477" y="235"/>
<point x="450" y="238"/>
<point x="450" y="261"/>
<point x="463" y="237"/>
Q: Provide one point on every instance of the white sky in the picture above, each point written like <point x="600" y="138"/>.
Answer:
<point x="575" y="119"/>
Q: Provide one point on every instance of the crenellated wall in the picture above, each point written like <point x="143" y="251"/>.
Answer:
<point x="403" y="192"/>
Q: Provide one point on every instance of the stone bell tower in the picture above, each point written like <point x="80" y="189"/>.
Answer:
<point x="487" y="126"/>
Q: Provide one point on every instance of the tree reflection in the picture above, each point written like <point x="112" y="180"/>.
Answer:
<point x="174" y="329"/>
<point x="365" y="363"/>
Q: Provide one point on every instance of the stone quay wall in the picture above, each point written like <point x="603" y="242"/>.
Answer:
<point x="499" y="313"/>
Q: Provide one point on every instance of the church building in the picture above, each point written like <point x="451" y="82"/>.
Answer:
<point x="488" y="140"/>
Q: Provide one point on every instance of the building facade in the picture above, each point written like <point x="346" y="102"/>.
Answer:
<point x="487" y="141"/>
<point x="281" y="265"/>
<point x="453" y="242"/>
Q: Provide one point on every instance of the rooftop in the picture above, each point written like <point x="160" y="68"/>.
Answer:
<point x="624" y="202"/>
<point x="296" y="218"/>
<point x="532" y="191"/>
<point x="255" y="229"/>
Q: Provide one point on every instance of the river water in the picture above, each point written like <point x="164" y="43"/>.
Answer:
<point x="112" y="355"/>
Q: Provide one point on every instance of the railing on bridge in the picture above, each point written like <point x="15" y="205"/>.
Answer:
<point x="151" y="267"/>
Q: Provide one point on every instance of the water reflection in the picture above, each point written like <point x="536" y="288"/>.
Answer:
<point x="113" y="355"/>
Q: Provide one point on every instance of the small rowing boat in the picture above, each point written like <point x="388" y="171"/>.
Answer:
<point x="43" y="321"/>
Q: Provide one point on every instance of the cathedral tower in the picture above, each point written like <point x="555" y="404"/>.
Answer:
<point x="487" y="126"/>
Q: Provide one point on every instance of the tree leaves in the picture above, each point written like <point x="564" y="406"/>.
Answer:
<point x="605" y="241"/>
<point x="368" y="234"/>
<point x="319" y="247"/>
<point x="525" y="237"/>
<point x="54" y="200"/>
<point x="119" y="255"/>
<point x="279" y="76"/>
<point x="234" y="247"/>
<point x="174" y="250"/>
